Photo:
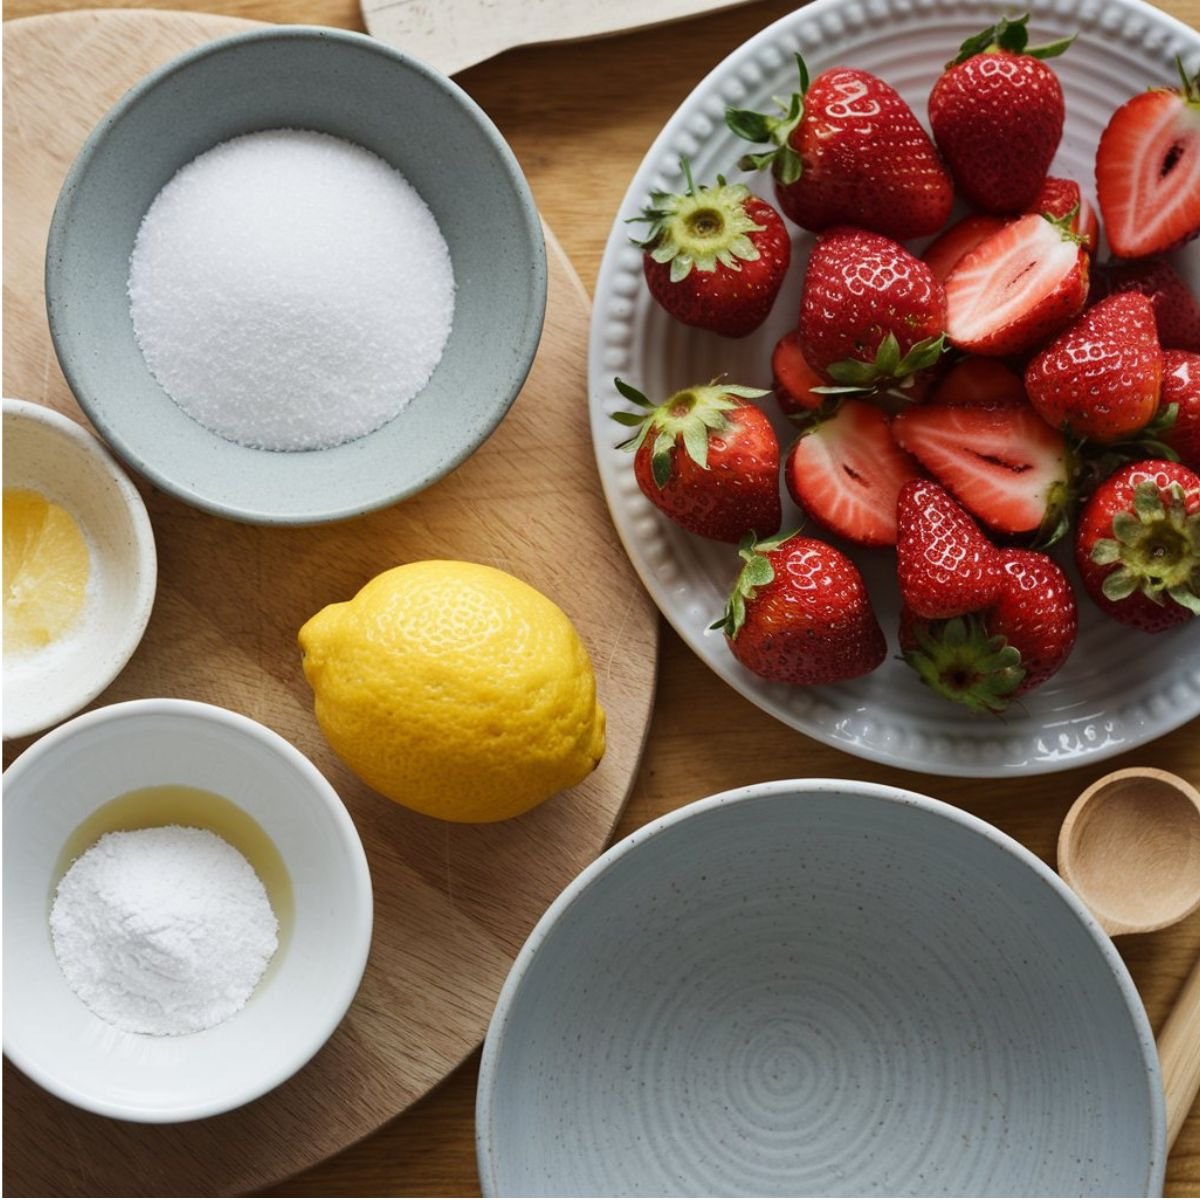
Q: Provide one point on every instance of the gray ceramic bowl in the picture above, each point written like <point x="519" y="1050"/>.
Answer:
<point x="819" y="987"/>
<point x="352" y="87"/>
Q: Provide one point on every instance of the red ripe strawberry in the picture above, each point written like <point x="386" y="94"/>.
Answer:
<point x="1148" y="170"/>
<point x="1063" y="198"/>
<point x="794" y="378"/>
<point x="980" y="381"/>
<point x="799" y="613"/>
<point x="707" y="458"/>
<point x="986" y="660"/>
<point x="946" y="251"/>
<point x="1001" y="462"/>
<point x="715" y="257"/>
<point x="1100" y="378"/>
<point x="848" y="150"/>
<point x="1175" y="309"/>
<point x="997" y="116"/>
<point x="1016" y="288"/>
<point x="870" y="313"/>
<point x="1138" y="545"/>
<point x="945" y="565"/>
<point x="1181" y="388"/>
<point x="846" y="472"/>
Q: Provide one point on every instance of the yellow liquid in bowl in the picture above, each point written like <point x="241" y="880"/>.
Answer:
<point x="46" y="570"/>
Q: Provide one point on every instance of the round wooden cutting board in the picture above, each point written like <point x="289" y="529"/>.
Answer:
<point x="452" y="903"/>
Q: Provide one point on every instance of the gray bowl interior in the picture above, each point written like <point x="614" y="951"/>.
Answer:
<point x="820" y="994"/>
<point x="354" y="88"/>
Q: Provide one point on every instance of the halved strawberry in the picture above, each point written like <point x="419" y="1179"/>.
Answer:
<point x="1001" y="462"/>
<point x="1148" y="170"/>
<point x="980" y="381"/>
<point x="846" y="472"/>
<point x="946" y="250"/>
<point x="1016" y="288"/>
<point x="1064" y="198"/>
<point x="794" y="378"/>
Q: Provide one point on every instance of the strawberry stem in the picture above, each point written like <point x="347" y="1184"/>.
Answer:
<point x="958" y="659"/>
<point x="1155" y="549"/>
<point x="760" y="128"/>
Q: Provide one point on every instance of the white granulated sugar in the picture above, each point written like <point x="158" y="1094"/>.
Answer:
<point x="163" y="931"/>
<point x="290" y="290"/>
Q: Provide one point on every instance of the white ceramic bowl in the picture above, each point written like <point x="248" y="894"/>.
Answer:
<point x="50" y="453"/>
<point x="819" y="987"/>
<point x="62" y="779"/>
<point x="889" y="716"/>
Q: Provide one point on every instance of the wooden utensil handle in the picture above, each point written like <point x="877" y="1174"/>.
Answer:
<point x="1179" y="1055"/>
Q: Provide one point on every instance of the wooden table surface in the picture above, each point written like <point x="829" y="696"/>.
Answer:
<point x="579" y="118"/>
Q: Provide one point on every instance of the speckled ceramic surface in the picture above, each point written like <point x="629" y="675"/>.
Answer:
<point x="57" y="457"/>
<point x="359" y="89"/>
<point x="819" y="987"/>
<point x="1078" y="716"/>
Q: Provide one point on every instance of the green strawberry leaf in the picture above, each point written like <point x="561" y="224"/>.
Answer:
<point x="1051" y="49"/>
<point x="753" y="126"/>
<point x="631" y="393"/>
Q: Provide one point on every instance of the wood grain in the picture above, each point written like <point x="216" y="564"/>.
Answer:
<point x="579" y="117"/>
<point x="452" y="903"/>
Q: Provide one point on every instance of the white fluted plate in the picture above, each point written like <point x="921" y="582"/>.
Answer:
<point x="819" y="987"/>
<point x="1121" y="688"/>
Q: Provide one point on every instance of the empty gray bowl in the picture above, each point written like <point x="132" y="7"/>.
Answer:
<point x="819" y="987"/>
<point x="358" y="89"/>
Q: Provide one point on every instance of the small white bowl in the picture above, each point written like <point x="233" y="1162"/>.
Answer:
<point x="58" y="783"/>
<point x="54" y="455"/>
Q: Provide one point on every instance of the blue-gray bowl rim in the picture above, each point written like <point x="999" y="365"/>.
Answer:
<point x="136" y="94"/>
<point x="485" y="1152"/>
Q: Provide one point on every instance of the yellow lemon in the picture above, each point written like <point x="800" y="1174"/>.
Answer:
<point x="46" y="568"/>
<point x="455" y="689"/>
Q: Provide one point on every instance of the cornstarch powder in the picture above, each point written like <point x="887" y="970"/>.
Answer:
<point x="164" y="930"/>
<point x="290" y="290"/>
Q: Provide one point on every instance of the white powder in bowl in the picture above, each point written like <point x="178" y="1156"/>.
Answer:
<point x="164" y="930"/>
<point x="290" y="290"/>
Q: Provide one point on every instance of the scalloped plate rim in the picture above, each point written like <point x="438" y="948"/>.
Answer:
<point x="971" y="763"/>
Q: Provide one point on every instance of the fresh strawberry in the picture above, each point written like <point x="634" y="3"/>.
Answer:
<point x="1100" y="378"/>
<point x="715" y="257"/>
<point x="870" y="313"/>
<point x="945" y="565"/>
<point x="794" y="378"/>
<point x="1175" y="309"/>
<point x="799" y="613"/>
<point x="986" y="660"/>
<point x="1001" y="462"/>
<point x="848" y="150"/>
<point x="1016" y="288"/>
<point x="846" y="472"/>
<point x="1138" y="545"/>
<point x="1148" y="170"/>
<point x="707" y="458"/>
<point x="997" y="116"/>
<point x="1063" y="198"/>
<point x="945" y="252"/>
<point x="1181" y="391"/>
<point x="980" y="381"/>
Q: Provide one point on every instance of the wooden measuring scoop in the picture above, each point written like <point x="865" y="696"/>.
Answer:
<point x="1130" y="849"/>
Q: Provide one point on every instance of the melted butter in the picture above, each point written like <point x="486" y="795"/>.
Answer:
<point x="173" y="804"/>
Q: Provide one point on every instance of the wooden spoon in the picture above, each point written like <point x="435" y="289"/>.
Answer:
<point x="1130" y="848"/>
<point x="454" y="34"/>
